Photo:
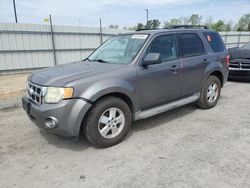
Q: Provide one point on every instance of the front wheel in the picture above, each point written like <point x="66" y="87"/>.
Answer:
<point x="210" y="93"/>
<point x="107" y="122"/>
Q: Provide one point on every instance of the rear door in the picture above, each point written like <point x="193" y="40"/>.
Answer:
<point x="195" y="60"/>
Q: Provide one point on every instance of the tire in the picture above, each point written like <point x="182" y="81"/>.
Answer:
<point x="100" y="129"/>
<point x="206" y="100"/>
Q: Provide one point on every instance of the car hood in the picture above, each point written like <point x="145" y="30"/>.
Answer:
<point x="239" y="53"/>
<point x="63" y="74"/>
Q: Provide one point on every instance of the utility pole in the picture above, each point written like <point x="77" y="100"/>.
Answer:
<point x="14" y="5"/>
<point x="52" y="40"/>
<point x="101" y="31"/>
<point x="146" y="16"/>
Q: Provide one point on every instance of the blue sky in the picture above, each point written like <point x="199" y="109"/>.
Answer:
<point x="123" y="12"/>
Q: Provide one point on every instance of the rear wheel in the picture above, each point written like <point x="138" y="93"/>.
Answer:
<point x="107" y="122"/>
<point x="210" y="93"/>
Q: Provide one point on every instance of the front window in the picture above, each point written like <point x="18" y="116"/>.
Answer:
<point x="119" y="49"/>
<point x="166" y="46"/>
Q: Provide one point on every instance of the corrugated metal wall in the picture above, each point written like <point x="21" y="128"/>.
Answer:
<point x="235" y="39"/>
<point x="29" y="46"/>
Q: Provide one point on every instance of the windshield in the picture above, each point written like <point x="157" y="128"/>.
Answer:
<point x="119" y="49"/>
<point x="246" y="46"/>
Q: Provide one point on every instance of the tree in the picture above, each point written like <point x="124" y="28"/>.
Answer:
<point x="209" y="22"/>
<point x="132" y="28"/>
<point x="218" y="26"/>
<point x="173" y="21"/>
<point x="156" y="23"/>
<point x="229" y="25"/>
<point x="244" y="23"/>
<point x="166" y="24"/>
<point x="114" y="26"/>
<point x="153" y="24"/>
<point x="140" y="26"/>
<point x="149" y="24"/>
<point x="184" y="20"/>
<point x="195" y="19"/>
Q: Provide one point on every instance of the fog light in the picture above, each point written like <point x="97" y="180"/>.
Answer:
<point x="51" y="122"/>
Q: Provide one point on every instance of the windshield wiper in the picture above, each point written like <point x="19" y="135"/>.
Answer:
<point x="87" y="59"/>
<point x="100" y="60"/>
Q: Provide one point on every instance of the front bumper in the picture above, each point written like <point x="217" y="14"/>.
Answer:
<point x="239" y="74"/>
<point x="69" y="114"/>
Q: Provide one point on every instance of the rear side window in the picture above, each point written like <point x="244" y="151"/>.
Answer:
<point x="215" y="41"/>
<point x="191" y="44"/>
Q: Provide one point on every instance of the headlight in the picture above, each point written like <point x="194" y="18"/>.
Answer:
<point x="56" y="94"/>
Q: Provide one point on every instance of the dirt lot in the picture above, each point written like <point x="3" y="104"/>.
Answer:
<point x="11" y="88"/>
<point x="186" y="147"/>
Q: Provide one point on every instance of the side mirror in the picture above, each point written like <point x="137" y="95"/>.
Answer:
<point x="151" y="58"/>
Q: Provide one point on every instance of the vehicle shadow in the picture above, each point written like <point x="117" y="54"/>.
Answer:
<point x="165" y="117"/>
<point x="81" y="144"/>
<point x="237" y="80"/>
<point x="72" y="143"/>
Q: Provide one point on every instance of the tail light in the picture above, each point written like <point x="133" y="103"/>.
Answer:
<point x="227" y="60"/>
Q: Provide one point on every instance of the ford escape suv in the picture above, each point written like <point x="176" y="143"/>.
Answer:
<point x="131" y="76"/>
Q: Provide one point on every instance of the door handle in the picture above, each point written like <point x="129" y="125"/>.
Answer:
<point x="174" y="68"/>
<point x="205" y="61"/>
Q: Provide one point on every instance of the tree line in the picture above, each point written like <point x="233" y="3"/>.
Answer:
<point x="243" y="23"/>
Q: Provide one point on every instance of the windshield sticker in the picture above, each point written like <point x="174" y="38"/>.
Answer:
<point x="139" y="36"/>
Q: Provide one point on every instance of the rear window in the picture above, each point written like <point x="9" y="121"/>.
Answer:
<point x="191" y="44"/>
<point x="215" y="41"/>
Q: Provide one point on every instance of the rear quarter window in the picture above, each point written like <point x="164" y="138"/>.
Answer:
<point x="215" y="41"/>
<point x="192" y="45"/>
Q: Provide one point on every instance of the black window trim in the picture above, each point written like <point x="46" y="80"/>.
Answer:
<point x="181" y="46"/>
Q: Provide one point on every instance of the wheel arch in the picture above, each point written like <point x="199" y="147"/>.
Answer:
<point x="119" y="95"/>
<point x="123" y="96"/>
<point x="219" y="75"/>
<point x="215" y="72"/>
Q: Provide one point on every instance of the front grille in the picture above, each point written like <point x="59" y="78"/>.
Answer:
<point x="239" y="65"/>
<point x="235" y="65"/>
<point x="35" y="93"/>
<point x="245" y="66"/>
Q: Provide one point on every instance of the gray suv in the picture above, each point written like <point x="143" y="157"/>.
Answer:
<point x="130" y="77"/>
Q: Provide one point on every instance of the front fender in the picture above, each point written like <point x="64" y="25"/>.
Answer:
<point x="108" y="86"/>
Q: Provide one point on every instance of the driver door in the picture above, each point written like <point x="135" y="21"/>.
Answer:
<point x="160" y="83"/>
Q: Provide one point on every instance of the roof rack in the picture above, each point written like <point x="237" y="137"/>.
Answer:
<point x="187" y="27"/>
<point x="145" y="29"/>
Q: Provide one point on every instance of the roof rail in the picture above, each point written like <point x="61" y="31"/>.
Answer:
<point x="187" y="27"/>
<point x="145" y="29"/>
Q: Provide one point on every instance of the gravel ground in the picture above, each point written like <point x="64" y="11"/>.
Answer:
<point x="186" y="147"/>
<point x="11" y="88"/>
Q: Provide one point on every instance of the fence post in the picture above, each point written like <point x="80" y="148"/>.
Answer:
<point x="239" y="37"/>
<point x="100" y="30"/>
<point x="52" y="40"/>
<point x="80" y="38"/>
<point x="226" y="35"/>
